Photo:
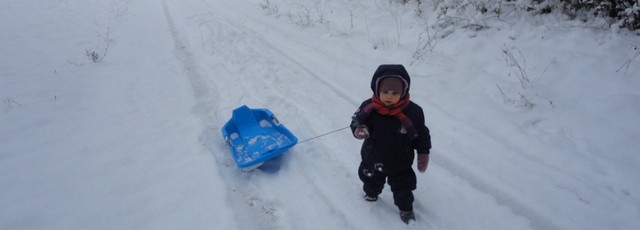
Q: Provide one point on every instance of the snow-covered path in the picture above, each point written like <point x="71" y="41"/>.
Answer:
<point x="246" y="60"/>
<point x="133" y="141"/>
<point x="234" y="59"/>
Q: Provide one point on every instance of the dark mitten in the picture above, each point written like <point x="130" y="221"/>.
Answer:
<point x="361" y="132"/>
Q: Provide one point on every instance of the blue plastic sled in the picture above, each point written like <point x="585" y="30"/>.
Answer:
<point x="255" y="136"/>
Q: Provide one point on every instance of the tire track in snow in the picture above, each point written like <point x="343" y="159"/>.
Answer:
<point x="239" y="42"/>
<point x="256" y="213"/>
<point x="282" y="39"/>
<point x="205" y="89"/>
<point x="537" y="221"/>
<point x="221" y="36"/>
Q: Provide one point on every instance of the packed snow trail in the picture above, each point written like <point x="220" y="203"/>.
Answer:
<point x="132" y="141"/>
<point x="263" y="203"/>
<point x="249" y="61"/>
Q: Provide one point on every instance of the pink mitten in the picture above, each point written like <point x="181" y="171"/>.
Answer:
<point x="423" y="162"/>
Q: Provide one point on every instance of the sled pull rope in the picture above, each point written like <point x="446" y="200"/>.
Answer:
<point x="321" y="135"/>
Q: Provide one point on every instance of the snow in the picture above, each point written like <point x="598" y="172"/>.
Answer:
<point x="133" y="141"/>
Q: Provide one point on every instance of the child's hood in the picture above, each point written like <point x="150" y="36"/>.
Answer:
<point x="390" y="70"/>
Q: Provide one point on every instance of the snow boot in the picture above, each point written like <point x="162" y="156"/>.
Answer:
<point x="370" y="198"/>
<point x="407" y="216"/>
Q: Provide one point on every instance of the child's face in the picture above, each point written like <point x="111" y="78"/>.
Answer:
<point x="389" y="97"/>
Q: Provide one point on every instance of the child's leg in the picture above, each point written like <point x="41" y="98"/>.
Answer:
<point x="402" y="186"/>
<point x="373" y="181"/>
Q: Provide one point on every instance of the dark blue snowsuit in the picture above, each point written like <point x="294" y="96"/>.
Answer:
<point x="388" y="153"/>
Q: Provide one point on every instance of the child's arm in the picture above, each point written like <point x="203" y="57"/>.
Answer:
<point x="422" y="144"/>
<point x="357" y="124"/>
